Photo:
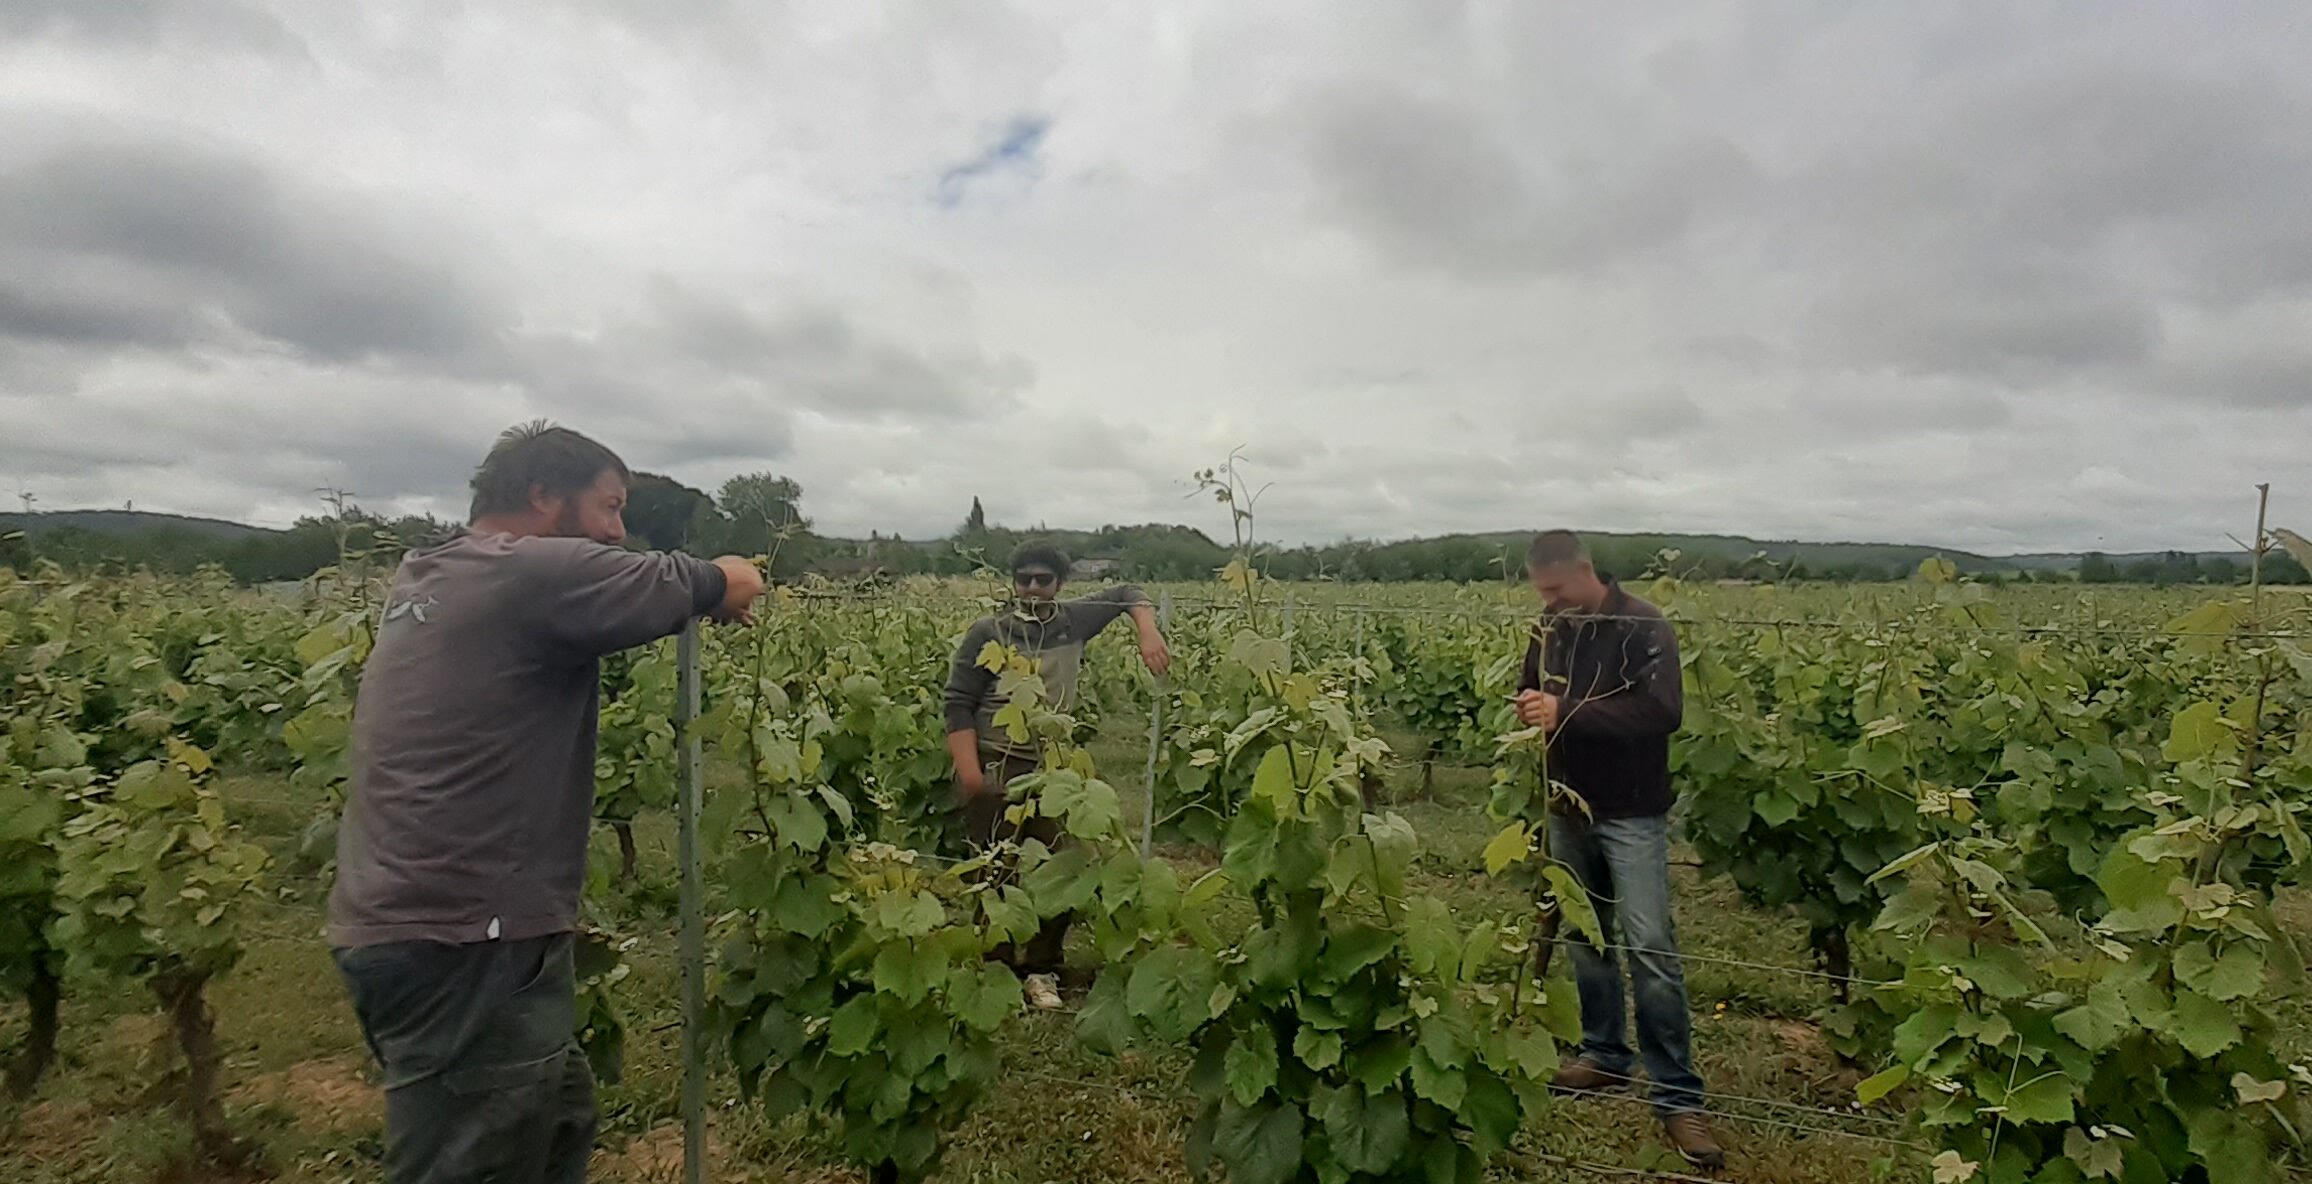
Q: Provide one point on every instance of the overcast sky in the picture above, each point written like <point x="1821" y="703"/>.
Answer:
<point x="1991" y="275"/>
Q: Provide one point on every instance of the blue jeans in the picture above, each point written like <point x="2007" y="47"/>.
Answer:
<point x="1624" y="863"/>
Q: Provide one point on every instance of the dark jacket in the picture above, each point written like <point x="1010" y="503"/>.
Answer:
<point x="1620" y="698"/>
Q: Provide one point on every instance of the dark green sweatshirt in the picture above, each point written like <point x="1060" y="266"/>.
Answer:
<point x="1052" y="635"/>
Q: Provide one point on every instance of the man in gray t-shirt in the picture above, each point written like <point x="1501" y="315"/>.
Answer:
<point x="1051" y="633"/>
<point x="463" y="851"/>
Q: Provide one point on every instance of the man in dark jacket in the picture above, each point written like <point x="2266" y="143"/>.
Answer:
<point x="1051" y="633"/>
<point x="1601" y="676"/>
<point x="464" y="846"/>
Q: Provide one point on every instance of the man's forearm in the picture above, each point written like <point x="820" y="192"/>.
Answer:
<point x="1144" y="619"/>
<point x="963" y="749"/>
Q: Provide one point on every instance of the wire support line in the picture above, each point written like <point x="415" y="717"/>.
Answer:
<point x="1515" y="614"/>
<point x="1758" y="1120"/>
<point x="1807" y="972"/>
<point x="1715" y="1099"/>
<point x="1605" y="1169"/>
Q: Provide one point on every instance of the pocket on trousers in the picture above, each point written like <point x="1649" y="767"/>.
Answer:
<point x="496" y="1120"/>
<point x="526" y="1078"/>
<point x="553" y="957"/>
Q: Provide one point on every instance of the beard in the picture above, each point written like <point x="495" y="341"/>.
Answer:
<point x="568" y="525"/>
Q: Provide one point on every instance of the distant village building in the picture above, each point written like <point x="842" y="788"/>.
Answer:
<point x="1094" y="569"/>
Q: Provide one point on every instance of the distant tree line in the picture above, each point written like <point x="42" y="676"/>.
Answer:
<point x="2177" y="567"/>
<point x="761" y="514"/>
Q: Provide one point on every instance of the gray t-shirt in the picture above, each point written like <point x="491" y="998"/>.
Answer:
<point x="473" y="734"/>
<point x="1052" y="635"/>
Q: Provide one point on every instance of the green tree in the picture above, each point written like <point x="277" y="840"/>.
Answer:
<point x="759" y="514"/>
<point x="664" y="511"/>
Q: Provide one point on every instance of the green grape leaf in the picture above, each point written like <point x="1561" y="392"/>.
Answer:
<point x="1171" y="991"/>
<point x="1105" y="1026"/>
<point x="2196" y="733"/>
<point x="1440" y="1084"/>
<point x="1394" y="845"/>
<point x="911" y="973"/>
<point x="2097" y="1023"/>
<point x="1367" y="1132"/>
<point x="1573" y="902"/>
<point x="806" y="906"/>
<point x="2238" y="974"/>
<point x="1316" y="1048"/>
<point x="1508" y="848"/>
<point x="1260" y="1146"/>
<point x="1881" y="1084"/>
<point x="2203" y="1026"/>
<point x="1273" y="783"/>
<point x="2097" y="1158"/>
<point x="1011" y="914"/>
<point x="908" y="914"/>
<point x="985" y="1000"/>
<point x="2142" y="892"/>
<point x="1492" y="1112"/>
<point x="2044" y="1099"/>
<point x="2232" y="1148"/>
<point x="1352" y="949"/>
<point x="853" y="1028"/>
<point x="1250" y="1065"/>
<point x="796" y="821"/>
<point x="1432" y="941"/>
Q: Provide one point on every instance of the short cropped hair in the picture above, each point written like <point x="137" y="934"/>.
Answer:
<point x="1040" y="554"/>
<point x="539" y="455"/>
<point x="1555" y="548"/>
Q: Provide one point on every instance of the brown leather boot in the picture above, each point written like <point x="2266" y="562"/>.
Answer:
<point x="1582" y="1075"/>
<point x="1690" y="1134"/>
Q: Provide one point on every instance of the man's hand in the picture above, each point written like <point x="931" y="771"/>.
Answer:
<point x="970" y="776"/>
<point x="970" y="781"/>
<point x="742" y="583"/>
<point x="1155" y="653"/>
<point x="1537" y="709"/>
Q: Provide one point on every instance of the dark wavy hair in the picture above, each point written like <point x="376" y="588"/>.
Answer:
<point x="1039" y="553"/>
<point x="539" y="455"/>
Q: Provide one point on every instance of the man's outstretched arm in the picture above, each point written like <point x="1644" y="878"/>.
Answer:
<point x="1153" y="651"/>
<point x="599" y="600"/>
<point x="968" y="686"/>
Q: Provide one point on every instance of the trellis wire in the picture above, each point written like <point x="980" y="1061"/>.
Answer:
<point x="1512" y="613"/>
<point x="1603" y="1169"/>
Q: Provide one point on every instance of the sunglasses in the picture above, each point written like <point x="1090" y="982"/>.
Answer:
<point x="1035" y="579"/>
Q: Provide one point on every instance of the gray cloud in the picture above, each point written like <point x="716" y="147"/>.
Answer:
<point x="1434" y="184"/>
<point x="147" y="23"/>
<point x="153" y="242"/>
<point x="1997" y="276"/>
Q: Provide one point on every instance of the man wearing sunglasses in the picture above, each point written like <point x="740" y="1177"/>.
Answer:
<point x="1052" y="633"/>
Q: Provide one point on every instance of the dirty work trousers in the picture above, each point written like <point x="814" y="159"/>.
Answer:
<point x="484" y="1079"/>
<point x="981" y="820"/>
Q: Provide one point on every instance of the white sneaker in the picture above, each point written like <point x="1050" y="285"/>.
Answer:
<point x="1043" y="991"/>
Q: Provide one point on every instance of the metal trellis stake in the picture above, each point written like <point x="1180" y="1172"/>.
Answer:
<point x="691" y="776"/>
<point x="1155" y="735"/>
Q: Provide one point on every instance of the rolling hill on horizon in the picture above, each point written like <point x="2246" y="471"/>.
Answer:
<point x="1085" y="543"/>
